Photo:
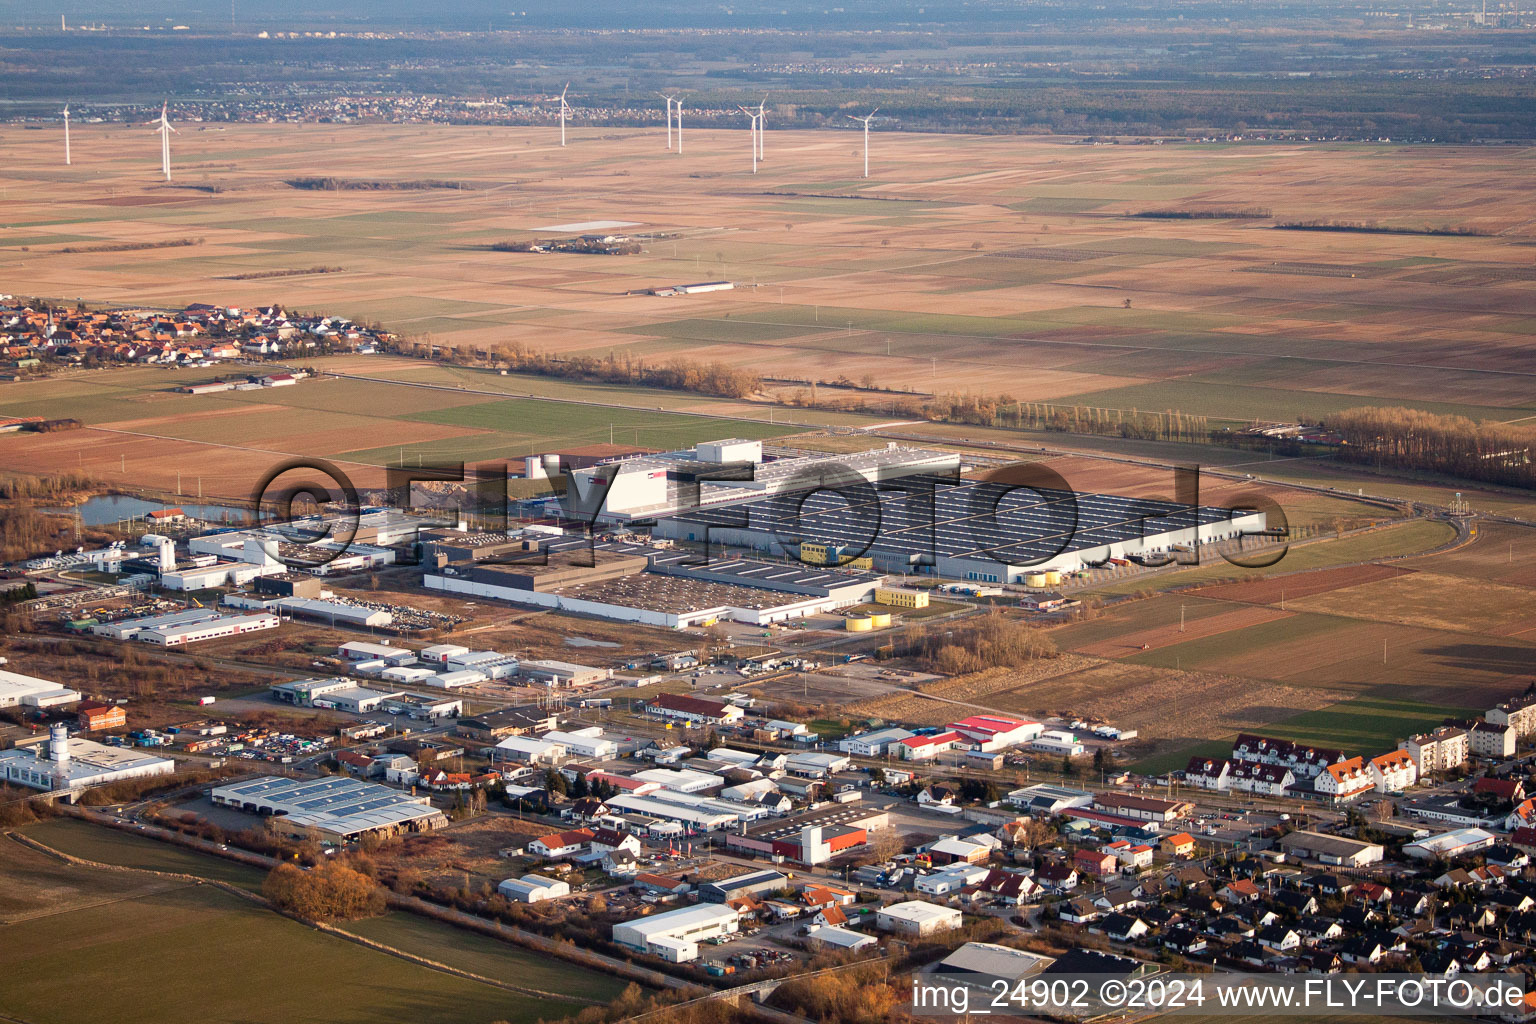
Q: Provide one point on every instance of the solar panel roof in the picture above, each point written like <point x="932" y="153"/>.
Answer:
<point x="975" y="519"/>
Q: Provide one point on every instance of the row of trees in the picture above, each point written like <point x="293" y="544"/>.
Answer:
<point x="1412" y="439"/>
<point x="706" y="378"/>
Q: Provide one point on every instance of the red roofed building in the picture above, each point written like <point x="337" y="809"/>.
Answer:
<point x="996" y="732"/>
<point x="694" y="709"/>
<point x="93" y="715"/>
<point x="925" y="748"/>
<point x="1345" y="781"/>
<point x="561" y="844"/>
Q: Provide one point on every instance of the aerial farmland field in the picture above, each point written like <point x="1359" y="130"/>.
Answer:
<point x="923" y="276"/>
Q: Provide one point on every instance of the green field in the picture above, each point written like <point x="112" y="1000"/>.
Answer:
<point x="197" y="954"/>
<point x="1389" y="542"/>
<point x="480" y="954"/>
<point x="110" y="846"/>
<point x="1366" y="726"/>
<point x="174" y="951"/>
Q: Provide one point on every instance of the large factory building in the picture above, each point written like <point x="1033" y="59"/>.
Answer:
<point x="970" y="530"/>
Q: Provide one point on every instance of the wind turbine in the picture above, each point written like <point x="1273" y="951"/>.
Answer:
<point x="66" y="135"/>
<point x="679" y="125"/>
<point x="753" y="118"/>
<point x="870" y="117"/>
<point x="669" y="100"/>
<point x="565" y="109"/>
<point x="762" y="121"/>
<point x="163" y="129"/>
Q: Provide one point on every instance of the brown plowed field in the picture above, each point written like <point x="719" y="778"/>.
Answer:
<point x="1166" y="636"/>
<point x="1301" y="585"/>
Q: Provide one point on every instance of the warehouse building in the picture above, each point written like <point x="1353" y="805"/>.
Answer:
<point x="361" y="650"/>
<point x="701" y="819"/>
<point x="514" y="721"/>
<point x="527" y="750"/>
<point x="703" y="710"/>
<point x="337" y="808"/>
<point x="587" y="742"/>
<point x="917" y="918"/>
<point x="302" y="692"/>
<point x="562" y="673"/>
<point x="333" y="612"/>
<point x="753" y="883"/>
<point x="210" y="629"/>
<point x="973" y="530"/>
<point x="811" y="838"/>
<point x="17" y="690"/>
<point x="533" y="889"/>
<point x="1334" y="850"/>
<point x="125" y="629"/>
<point x="732" y="470"/>
<point x="873" y="744"/>
<point x="675" y="935"/>
<point x="72" y="764"/>
<point x="424" y="707"/>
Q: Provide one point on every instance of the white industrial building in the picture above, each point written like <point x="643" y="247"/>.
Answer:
<point x="533" y="889"/>
<point x="331" y="611"/>
<point x="682" y="780"/>
<point x="701" y="819"/>
<point x="873" y="744"/>
<point x="916" y="917"/>
<point x="211" y="629"/>
<point x="563" y="673"/>
<point x="588" y="742"/>
<point x="438" y="654"/>
<point x="406" y="674"/>
<point x="1056" y="741"/>
<point x="653" y="485"/>
<point x="72" y="764"/>
<point x="491" y="664"/>
<point x="526" y="749"/>
<point x="30" y="691"/>
<point x="676" y="934"/>
<point x="362" y="650"/>
<point x="124" y="629"/>
<point x="454" y="680"/>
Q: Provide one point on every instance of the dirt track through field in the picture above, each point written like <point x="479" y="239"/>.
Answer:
<point x="1167" y="636"/>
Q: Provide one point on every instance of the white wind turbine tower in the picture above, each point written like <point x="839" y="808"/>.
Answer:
<point x="669" y="100"/>
<point x="762" y="122"/>
<point x="66" y="135"/>
<point x="565" y="109"/>
<point x="753" y="119"/>
<point x="870" y="117"/>
<point x="679" y="125"/>
<point x="163" y="129"/>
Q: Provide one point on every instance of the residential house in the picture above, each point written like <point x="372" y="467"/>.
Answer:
<point x="1486" y="739"/>
<point x="1345" y="781"/>
<point x="557" y="845"/>
<point x="1393" y="772"/>
<point x="1208" y="773"/>
<point x="1441" y="750"/>
<point x="1261" y="778"/>
<point x="1180" y="844"/>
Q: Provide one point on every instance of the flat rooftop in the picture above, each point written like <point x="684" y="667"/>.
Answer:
<point x="770" y="575"/>
<point x="974" y="518"/>
<point x="338" y="804"/>
<point x="676" y="595"/>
